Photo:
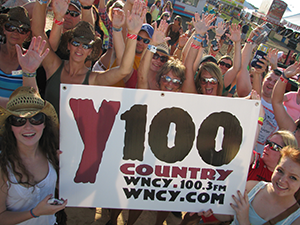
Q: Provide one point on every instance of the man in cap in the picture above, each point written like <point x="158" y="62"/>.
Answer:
<point x="73" y="15"/>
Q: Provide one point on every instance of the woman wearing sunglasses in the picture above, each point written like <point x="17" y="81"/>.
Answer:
<point x="28" y="160"/>
<point x="82" y="44"/>
<point x="16" y="30"/>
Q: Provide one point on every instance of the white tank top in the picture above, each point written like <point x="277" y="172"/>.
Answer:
<point x="22" y="199"/>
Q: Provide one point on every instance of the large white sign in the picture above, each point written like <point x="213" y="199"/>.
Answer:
<point x="153" y="150"/>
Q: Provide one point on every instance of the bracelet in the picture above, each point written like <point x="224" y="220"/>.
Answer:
<point x="204" y="36"/>
<point x="249" y="41"/>
<point x="29" y="74"/>
<point x="132" y="36"/>
<point x="31" y="213"/>
<point x="261" y="119"/>
<point x="86" y="7"/>
<point x="43" y="2"/>
<point x="195" y="46"/>
<point x="283" y="80"/>
<point x="260" y="123"/>
<point x="284" y="76"/>
<point x="152" y="48"/>
<point x="117" y="29"/>
<point x="180" y="48"/>
<point x="58" y="22"/>
<point x="197" y="39"/>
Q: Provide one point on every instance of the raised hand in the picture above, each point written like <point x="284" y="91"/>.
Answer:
<point x="59" y="8"/>
<point x="220" y="29"/>
<point x="241" y="208"/>
<point x="202" y="25"/>
<point x="32" y="59"/>
<point x="136" y="17"/>
<point x="159" y="35"/>
<point x="183" y="40"/>
<point x="272" y="57"/>
<point x="292" y="70"/>
<point x="235" y="33"/>
<point x="118" y="18"/>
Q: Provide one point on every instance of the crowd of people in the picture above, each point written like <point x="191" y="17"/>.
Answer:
<point x="130" y="45"/>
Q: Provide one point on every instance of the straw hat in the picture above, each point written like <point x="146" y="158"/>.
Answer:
<point x="17" y="16"/>
<point x="26" y="102"/>
<point x="163" y="47"/>
<point x="83" y="32"/>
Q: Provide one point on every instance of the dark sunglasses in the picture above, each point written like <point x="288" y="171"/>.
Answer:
<point x="211" y="80"/>
<point x="20" y="121"/>
<point x="145" y="40"/>
<point x="11" y="28"/>
<point x="72" y="13"/>
<point x="162" y="58"/>
<point x="227" y="65"/>
<point x="168" y="79"/>
<point x="273" y="146"/>
<point x="77" y="44"/>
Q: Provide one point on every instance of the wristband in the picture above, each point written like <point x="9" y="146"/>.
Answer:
<point x="31" y="213"/>
<point x="117" y="29"/>
<point x="43" y="2"/>
<point x="260" y="123"/>
<point x="132" y="36"/>
<point x="195" y="46"/>
<point x="86" y="7"/>
<point x="180" y="48"/>
<point x="29" y="74"/>
<point x="249" y="41"/>
<point x="283" y="80"/>
<point x="284" y="76"/>
<point x="58" y="22"/>
<point x="198" y="35"/>
<point x="261" y="119"/>
<point x="151" y="48"/>
<point x="197" y="39"/>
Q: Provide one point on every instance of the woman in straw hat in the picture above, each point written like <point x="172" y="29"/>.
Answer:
<point x="28" y="159"/>
<point x="82" y="44"/>
<point x="15" y="29"/>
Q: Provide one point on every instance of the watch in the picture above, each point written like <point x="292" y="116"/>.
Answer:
<point x="152" y="48"/>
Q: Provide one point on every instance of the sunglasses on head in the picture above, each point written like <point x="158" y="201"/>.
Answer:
<point x="227" y="65"/>
<point x="21" y="121"/>
<point x="273" y="146"/>
<point x="162" y="58"/>
<point x="168" y="79"/>
<point x="211" y="80"/>
<point x="145" y="40"/>
<point x="77" y="44"/>
<point x="11" y="28"/>
<point x="72" y="13"/>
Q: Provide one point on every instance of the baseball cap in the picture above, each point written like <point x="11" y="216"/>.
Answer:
<point x="76" y="4"/>
<point x="148" y="28"/>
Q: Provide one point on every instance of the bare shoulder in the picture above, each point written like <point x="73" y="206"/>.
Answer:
<point x="296" y="222"/>
<point x="250" y="184"/>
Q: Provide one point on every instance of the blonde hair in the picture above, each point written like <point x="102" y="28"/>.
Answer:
<point x="287" y="137"/>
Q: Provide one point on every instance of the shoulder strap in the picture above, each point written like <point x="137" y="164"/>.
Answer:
<point x="283" y="215"/>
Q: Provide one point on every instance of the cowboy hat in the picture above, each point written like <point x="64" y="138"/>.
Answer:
<point x="17" y="16"/>
<point x="26" y="102"/>
<point x="83" y="32"/>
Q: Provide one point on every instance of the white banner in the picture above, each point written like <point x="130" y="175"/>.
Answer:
<point x="153" y="150"/>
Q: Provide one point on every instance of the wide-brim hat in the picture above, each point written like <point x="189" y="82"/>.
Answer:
<point x="189" y="23"/>
<point x="26" y="102"/>
<point x="83" y="32"/>
<point x="17" y="16"/>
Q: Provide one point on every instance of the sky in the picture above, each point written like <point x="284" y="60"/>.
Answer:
<point x="293" y="5"/>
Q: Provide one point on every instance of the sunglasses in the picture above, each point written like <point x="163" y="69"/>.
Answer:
<point x="162" y="58"/>
<point x="145" y="40"/>
<point x="11" y="28"/>
<point x="77" y="44"/>
<point x="20" y="121"/>
<point x="273" y="146"/>
<point x="211" y="80"/>
<point x="227" y="65"/>
<point x="175" y="81"/>
<point x="72" y="13"/>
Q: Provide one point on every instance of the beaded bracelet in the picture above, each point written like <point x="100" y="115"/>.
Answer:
<point x="283" y="80"/>
<point x="58" y="22"/>
<point x="117" y="29"/>
<point x="31" y="213"/>
<point x="132" y="36"/>
<point x="195" y="46"/>
<point x="29" y="74"/>
<point x="197" y="39"/>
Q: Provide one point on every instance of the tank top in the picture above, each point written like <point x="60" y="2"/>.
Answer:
<point x="52" y="91"/>
<point x="10" y="82"/>
<point x="21" y="198"/>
